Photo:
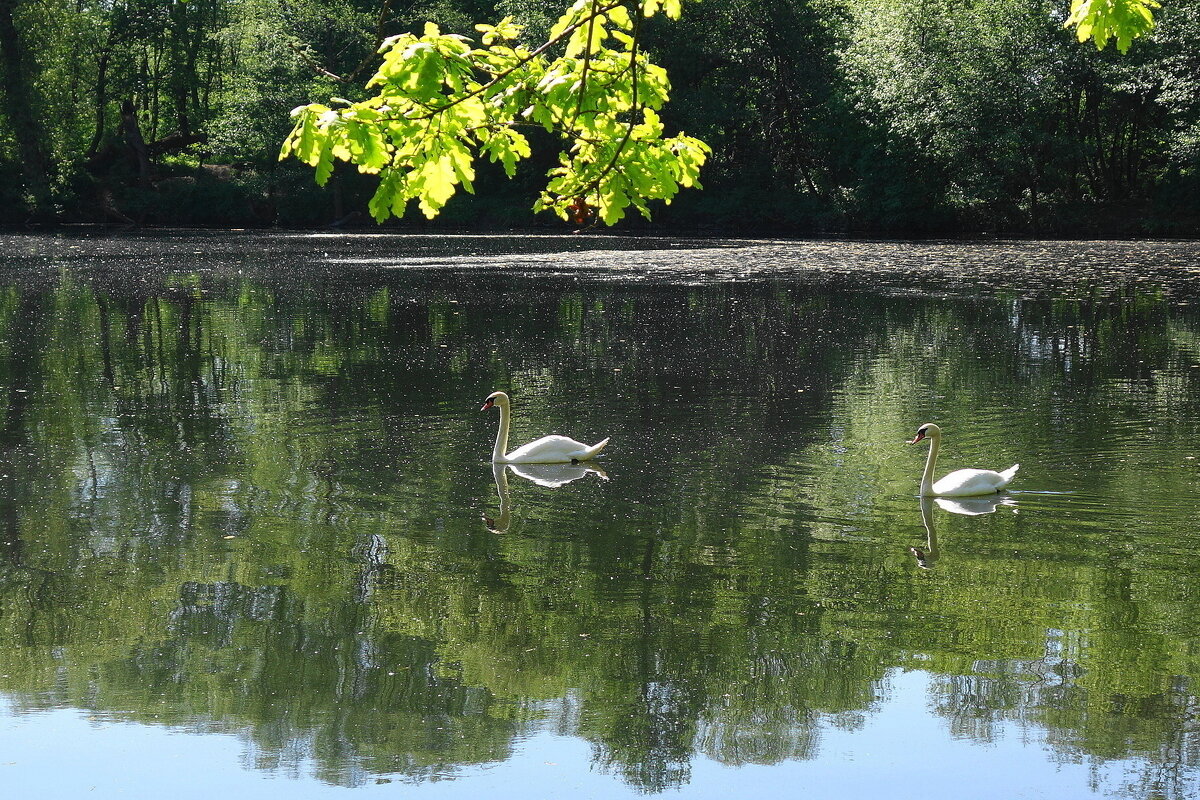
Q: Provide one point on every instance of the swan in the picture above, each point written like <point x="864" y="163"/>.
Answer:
<point x="961" y="482"/>
<point x="546" y="450"/>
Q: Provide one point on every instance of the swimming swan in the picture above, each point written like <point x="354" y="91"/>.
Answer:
<point x="961" y="482"/>
<point x="547" y="450"/>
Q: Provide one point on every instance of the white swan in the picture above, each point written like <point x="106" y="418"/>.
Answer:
<point x="546" y="450"/>
<point x="961" y="482"/>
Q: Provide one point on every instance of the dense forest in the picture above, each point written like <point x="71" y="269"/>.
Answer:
<point x="931" y="116"/>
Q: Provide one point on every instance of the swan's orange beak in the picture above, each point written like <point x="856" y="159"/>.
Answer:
<point x="487" y="404"/>
<point x="920" y="435"/>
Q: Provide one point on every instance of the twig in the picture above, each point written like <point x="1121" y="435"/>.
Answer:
<point x="313" y="65"/>
<point x="633" y="109"/>
<point x="587" y="62"/>
<point x="523" y="61"/>
<point x="384" y="8"/>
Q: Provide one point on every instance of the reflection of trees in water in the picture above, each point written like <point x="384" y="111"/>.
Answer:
<point x="357" y="620"/>
<point x="770" y="736"/>
<point x="329" y="690"/>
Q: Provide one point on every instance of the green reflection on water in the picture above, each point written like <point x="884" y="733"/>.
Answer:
<point x="261" y="504"/>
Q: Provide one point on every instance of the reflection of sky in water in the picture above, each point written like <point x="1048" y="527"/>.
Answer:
<point x="900" y="751"/>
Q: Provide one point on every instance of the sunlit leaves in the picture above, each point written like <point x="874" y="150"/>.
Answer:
<point x="1119" y="20"/>
<point x="652" y="168"/>
<point x="506" y="146"/>
<point x="505" y="30"/>
<point x="672" y="8"/>
<point x="441" y="103"/>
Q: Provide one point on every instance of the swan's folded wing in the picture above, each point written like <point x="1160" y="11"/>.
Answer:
<point x="549" y="450"/>
<point x="968" y="482"/>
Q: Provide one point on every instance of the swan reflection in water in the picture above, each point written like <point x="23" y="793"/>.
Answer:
<point x="966" y="506"/>
<point x="551" y="476"/>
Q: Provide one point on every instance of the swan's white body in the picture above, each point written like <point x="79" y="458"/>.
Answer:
<point x="546" y="450"/>
<point x="961" y="482"/>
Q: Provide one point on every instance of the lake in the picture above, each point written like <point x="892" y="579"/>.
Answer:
<point x="251" y="540"/>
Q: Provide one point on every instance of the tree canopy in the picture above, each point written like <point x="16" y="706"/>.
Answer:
<point x="805" y="115"/>
<point x="441" y="101"/>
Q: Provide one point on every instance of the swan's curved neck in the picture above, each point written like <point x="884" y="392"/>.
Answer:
<point x="935" y="441"/>
<point x="502" y="433"/>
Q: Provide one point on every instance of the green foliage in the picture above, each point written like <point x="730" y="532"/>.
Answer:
<point x="442" y="102"/>
<point x="822" y="114"/>
<point x="1119" y="20"/>
<point x="1007" y="122"/>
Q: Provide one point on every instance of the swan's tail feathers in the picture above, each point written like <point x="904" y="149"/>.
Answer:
<point x="591" y="451"/>
<point x="1010" y="472"/>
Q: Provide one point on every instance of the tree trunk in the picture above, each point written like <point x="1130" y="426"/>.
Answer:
<point x="19" y="106"/>
<point x="101" y="96"/>
<point x="132" y="132"/>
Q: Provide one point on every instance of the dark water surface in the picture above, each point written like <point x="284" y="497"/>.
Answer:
<point x="251" y="544"/>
